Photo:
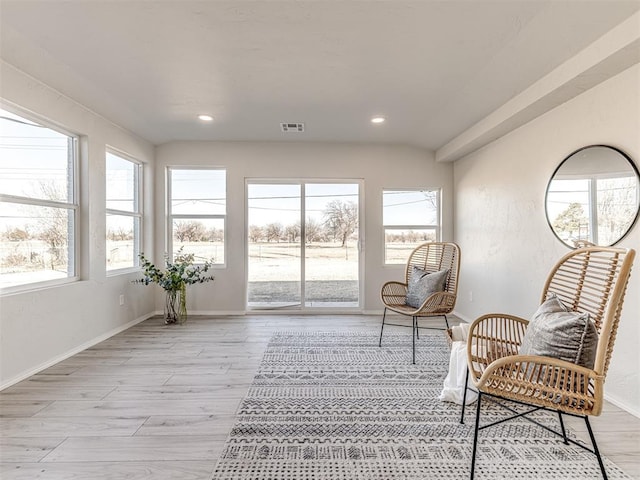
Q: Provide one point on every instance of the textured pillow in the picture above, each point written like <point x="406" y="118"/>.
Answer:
<point x="555" y="332"/>
<point x="423" y="284"/>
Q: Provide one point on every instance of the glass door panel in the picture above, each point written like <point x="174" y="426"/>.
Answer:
<point x="331" y="267"/>
<point x="274" y="248"/>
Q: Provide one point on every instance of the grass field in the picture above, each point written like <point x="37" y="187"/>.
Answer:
<point x="274" y="269"/>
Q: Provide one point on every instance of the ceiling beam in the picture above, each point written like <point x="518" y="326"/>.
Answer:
<point x="611" y="54"/>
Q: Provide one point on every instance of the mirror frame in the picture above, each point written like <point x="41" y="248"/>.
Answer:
<point x="546" y="193"/>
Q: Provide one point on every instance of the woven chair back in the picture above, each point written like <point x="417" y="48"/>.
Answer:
<point x="594" y="280"/>
<point x="436" y="256"/>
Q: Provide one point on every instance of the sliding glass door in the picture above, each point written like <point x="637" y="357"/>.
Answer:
<point x="303" y="240"/>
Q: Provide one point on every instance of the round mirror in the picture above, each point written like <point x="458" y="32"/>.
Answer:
<point x="593" y="197"/>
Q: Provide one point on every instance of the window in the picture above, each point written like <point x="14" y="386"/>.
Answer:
<point x="197" y="208"/>
<point x="409" y="217"/>
<point x="38" y="202"/>
<point x="124" y="211"/>
<point x="600" y="209"/>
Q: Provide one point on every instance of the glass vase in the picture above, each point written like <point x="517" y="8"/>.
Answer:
<point x="175" y="307"/>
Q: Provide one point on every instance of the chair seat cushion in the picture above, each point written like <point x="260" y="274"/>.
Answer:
<point x="556" y="332"/>
<point x="423" y="284"/>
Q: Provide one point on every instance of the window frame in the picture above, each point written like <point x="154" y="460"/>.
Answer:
<point x="416" y="226"/>
<point x="136" y="213"/>
<point x="171" y="217"/>
<point x="72" y="205"/>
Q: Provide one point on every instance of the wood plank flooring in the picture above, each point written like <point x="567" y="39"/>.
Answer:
<point x="157" y="402"/>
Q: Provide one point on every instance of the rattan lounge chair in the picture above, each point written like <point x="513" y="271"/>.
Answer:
<point x="430" y="257"/>
<point x="589" y="280"/>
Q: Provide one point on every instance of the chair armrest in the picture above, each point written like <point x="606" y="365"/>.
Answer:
<point x="544" y="381"/>
<point x="394" y="293"/>
<point x="439" y="302"/>
<point x="491" y="337"/>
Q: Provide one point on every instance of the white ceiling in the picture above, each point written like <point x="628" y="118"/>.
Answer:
<point x="432" y="68"/>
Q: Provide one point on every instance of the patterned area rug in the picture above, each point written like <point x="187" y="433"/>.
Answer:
<point x="335" y="406"/>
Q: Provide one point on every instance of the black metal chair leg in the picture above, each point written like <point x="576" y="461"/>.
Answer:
<point x="413" y="336"/>
<point x="595" y="448"/>
<point x="475" y="437"/>
<point x="384" y="314"/>
<point x="446" y="321"/>
<point x="564" y="432"/>
<point x="464" y="396"/>
<point x="417" y="329"/>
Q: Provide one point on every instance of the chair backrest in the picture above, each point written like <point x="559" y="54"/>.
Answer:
<point x="583" y="243"/>
<point x="436" y="256"/>
<point x="594" y="280"/>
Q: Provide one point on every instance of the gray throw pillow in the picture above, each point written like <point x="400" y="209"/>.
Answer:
<point x="423" y="284"/>
<point x="556" y="332"/>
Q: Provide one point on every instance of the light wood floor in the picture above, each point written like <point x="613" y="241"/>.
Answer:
<point x="156" y="402"/>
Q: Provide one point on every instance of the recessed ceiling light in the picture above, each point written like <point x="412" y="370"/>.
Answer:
<point x="377" y="119"/>
<point x="205" y="118"/>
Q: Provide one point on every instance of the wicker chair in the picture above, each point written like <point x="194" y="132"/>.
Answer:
<point x="431" y="257"/>
<point x="590" y="279"/>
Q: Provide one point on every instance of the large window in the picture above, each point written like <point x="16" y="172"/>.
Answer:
<point x="38" y="202"/>
<point x="197" y="208"/>
<point x="124" y="211"/>
<point x="409" y="217"/>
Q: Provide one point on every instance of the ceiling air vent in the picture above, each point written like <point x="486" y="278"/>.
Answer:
<point x="292" y="127"/>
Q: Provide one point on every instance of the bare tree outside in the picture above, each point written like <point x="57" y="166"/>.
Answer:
<point x="54" y="226"/>
<point x="411" y="237"/>
<point x="54" y="232"/>
<point x="616" y="207"/>
<point x="16" y="235"/>
<point x="431" y="197"/>
<point x="341" y="220"/>
<point x="274" y="232"/>
<point x="255" y="233"/>
<point x="214" y="235"/>
<point x="189" y="231"/>
<point x="292" y="232"/>
<point x="119" y="234"/>
<point x="313" y="231"/>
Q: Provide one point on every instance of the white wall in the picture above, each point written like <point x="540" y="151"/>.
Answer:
<point x="379" y="166"/>
<point x="38" y="328"/>
<point x="507" y="245"/>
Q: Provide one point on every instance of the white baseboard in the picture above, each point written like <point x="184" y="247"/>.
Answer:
<point x="623" y="405"/>
<point x="220" y="313"/>
<point x="57" y="359"/>
<point x="214" y="313"/>
<point x="462" y="317"/>
<point x="373" y="312"/>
